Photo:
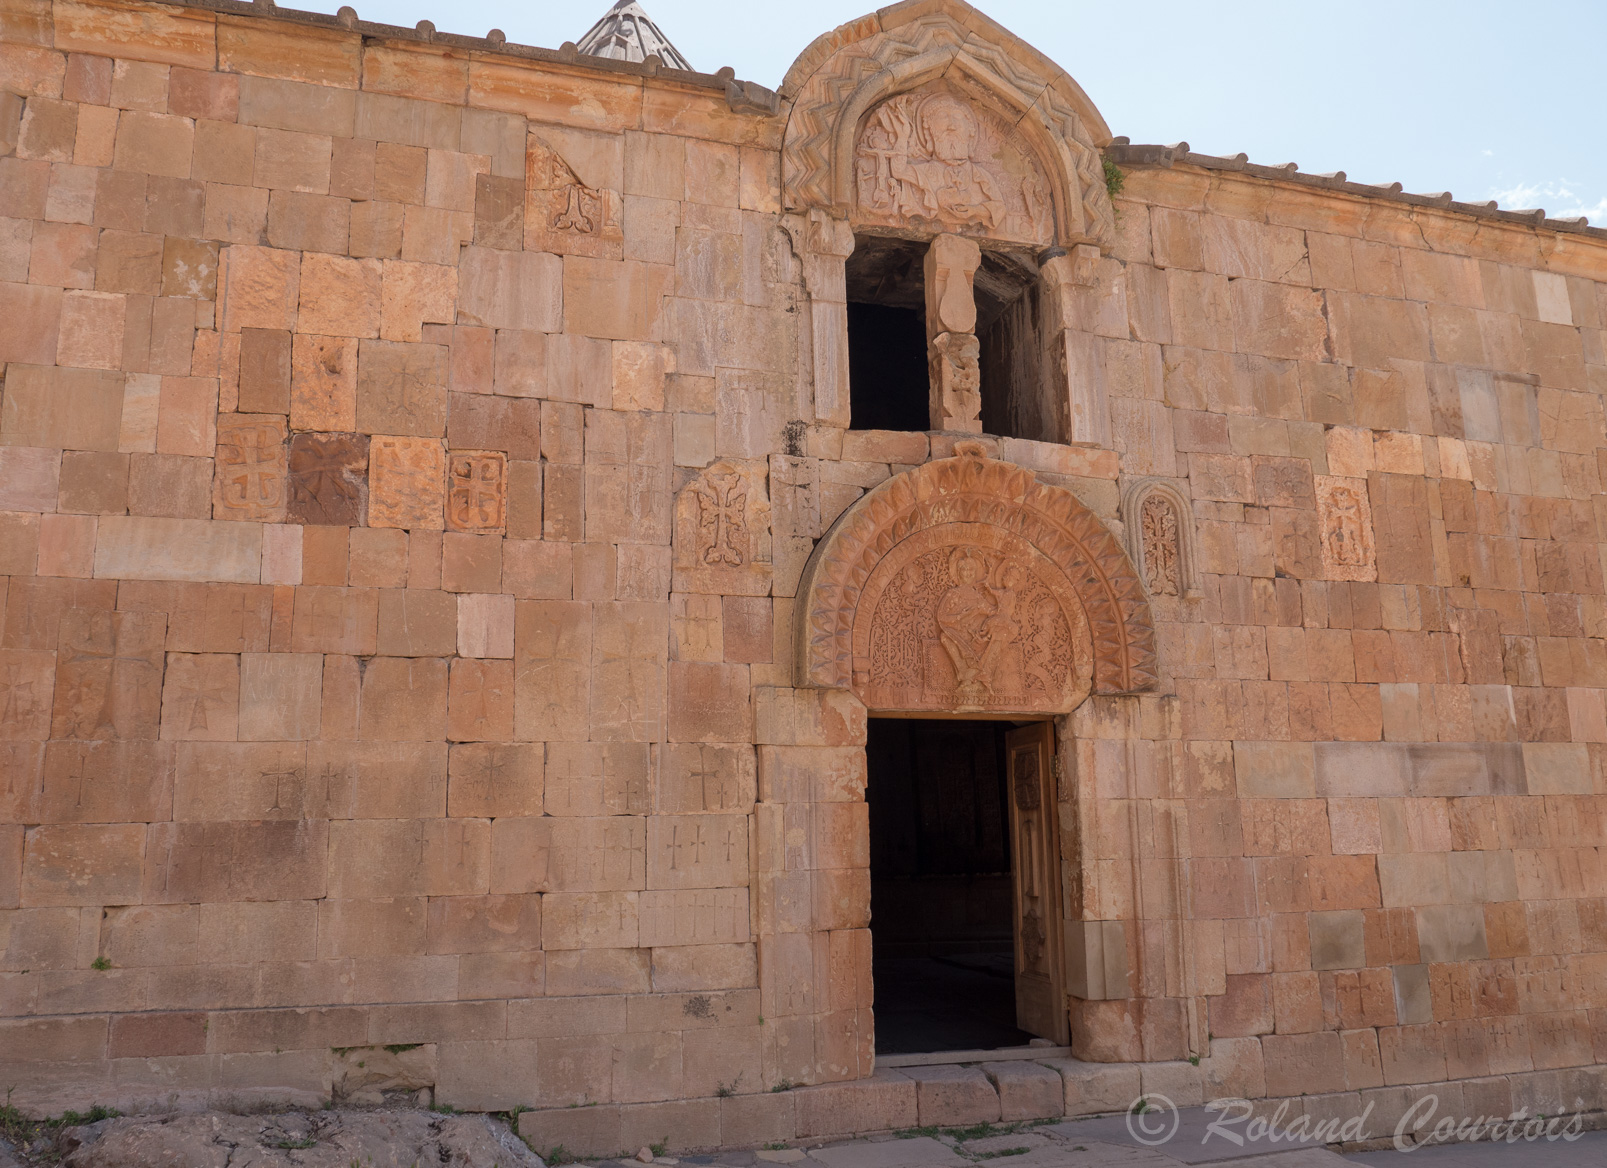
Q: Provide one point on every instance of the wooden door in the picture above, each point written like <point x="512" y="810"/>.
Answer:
<point x="1035" y="872"/>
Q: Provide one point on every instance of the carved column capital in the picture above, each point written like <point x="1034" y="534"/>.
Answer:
<point x="953" y="353"/>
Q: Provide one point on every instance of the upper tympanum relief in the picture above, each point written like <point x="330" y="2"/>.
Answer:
<point x="931" y="116"/>
<point x="931" y="158"/>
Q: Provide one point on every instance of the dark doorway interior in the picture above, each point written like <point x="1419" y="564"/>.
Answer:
<point x="887" y="379"/>
<point x="941" y="917"/>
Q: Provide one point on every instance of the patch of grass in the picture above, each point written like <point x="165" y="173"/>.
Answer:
<point x="444" y="1109"/>
<point x="660" y="1148"/>
<point x="290" y="1145"/>
<point x="783" y="1085"/>
<point x="1001" y="1153"/>
<point x="1194" y="1060"/>
<point x="1114" y="179"/>
<point x="403" y="1047"/>
<point x="101" y="963"/>
<point x="18" y="1129"/>
<point x="777" y="1146"/>
<point x="558" y="1154"/>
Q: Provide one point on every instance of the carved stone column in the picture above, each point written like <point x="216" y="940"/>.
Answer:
<point x="1074" y="363"/>
<point x="826" y="245"/>
<point x="952" y="351"/>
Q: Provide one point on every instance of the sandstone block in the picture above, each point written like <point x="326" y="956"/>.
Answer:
<point x="477" y="491"/>
<point x="496" y="779"/>
<point x="29" y="478"/>
<point x="190" y="269"/>
<point x="149" y="548"/>
<point x="334" y="620"/>
<point x="594" y="778"/>
<point x="201" y="697"/>
<point x="484" y="422"/>
<point x="264" y="386"/>
<point x="280" y="696"/>
<point x="709" y="702"/>
<point x="328" y="479"/>
<point x="35" y="313"/>
<point x="73" y="409"/>
<point x="406" y="482"/>
<point x="340" y="297"/>
<point x="885" y="1101"/>
<point x="954" y="1096"/>
<point x="251" y="469"/>
<point x="485" y="626"/>
<point x="82" y="864"/>
<point x="401" y="389"/>
<point x="1026" y="1090"/>
<point x="262" y="288"/>
<point x="511" y="290"/>
<point x="377" y="780"/>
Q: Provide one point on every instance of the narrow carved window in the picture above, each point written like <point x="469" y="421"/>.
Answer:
<point x="887" y="367"/>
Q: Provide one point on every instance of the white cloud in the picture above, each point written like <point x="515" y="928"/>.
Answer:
<point x="1557" y="198"/>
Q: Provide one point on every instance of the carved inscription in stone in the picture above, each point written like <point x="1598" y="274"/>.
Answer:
<point x="329" y="479"/>
<point x="1162" y="551"/>
<point x="405" y="482"/>
<point x="1346" y="520"/>
<point x="722" y="531"/>
<point x="930" y="155"/>
<point x="563" y="214"/>
<point x="477" y="491"/>
<point x="966" y="617"/>
<point x="250" y="477"/>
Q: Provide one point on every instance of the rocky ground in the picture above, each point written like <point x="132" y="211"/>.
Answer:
<point x="411" y="1138"/>
<point x="292" y="1139"/>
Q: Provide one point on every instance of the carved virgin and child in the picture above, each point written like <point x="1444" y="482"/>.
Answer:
<point x="967" y="627"/>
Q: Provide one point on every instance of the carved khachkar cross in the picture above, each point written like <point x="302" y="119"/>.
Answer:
<point x="722" y="518"/>
<point x="477" y="493"/>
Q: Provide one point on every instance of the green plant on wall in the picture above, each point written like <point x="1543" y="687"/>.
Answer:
<point x="1114" y="178"/>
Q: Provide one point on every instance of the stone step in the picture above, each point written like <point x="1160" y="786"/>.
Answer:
<point x="1013" y="1091"/>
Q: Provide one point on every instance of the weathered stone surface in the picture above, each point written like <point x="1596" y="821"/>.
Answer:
<point x="406" y="482"/>
<point x="314" y="1138"/>
<point x="328" y="479"/>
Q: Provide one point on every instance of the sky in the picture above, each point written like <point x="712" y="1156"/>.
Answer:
<point x="1486" y="100"/>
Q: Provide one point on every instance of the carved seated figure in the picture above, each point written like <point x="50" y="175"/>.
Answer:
<point x="917" y="161"/>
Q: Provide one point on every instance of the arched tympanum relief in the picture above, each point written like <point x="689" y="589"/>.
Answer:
<point x="967" y="586"/>
<point x="932" y="158"/>
<point x="931" y="114"/>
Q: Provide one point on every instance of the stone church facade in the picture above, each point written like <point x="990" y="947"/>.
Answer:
<point x="445" y="593"/>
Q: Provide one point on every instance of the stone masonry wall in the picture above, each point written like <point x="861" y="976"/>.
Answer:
<point x="357" y="688"/>
<point x="1380" y="776"/>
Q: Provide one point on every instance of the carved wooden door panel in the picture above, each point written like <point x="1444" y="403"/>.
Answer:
<point x="1035" y="872"/>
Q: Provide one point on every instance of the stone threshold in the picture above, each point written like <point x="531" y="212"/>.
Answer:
<point x="940" y="1057"/>
<point x="1018" y="1091"/>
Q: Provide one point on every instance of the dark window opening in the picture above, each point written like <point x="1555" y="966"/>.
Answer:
<point x="1009" y="328"/>
<point x="887" y="379"/>
<point x="941" y="910"/>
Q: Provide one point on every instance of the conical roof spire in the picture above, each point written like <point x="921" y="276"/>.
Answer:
<point x="626" y="34"/>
